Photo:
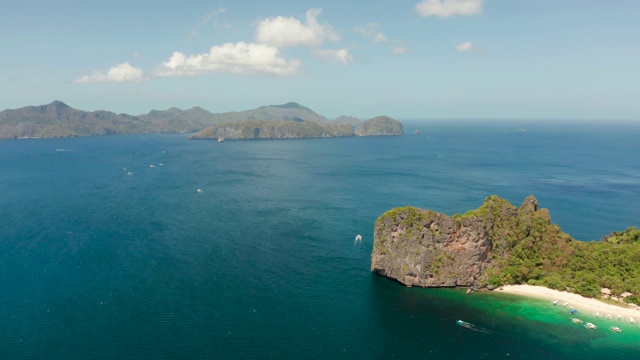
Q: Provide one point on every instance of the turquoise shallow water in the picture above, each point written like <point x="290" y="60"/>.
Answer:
<point x="96" y="263"/>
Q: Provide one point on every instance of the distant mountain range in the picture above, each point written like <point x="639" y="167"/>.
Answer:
<point x="290" y="120"/>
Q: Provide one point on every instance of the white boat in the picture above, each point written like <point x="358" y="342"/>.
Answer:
<point x="464" y="324"/>
<point x="556" y="302"/>
<point x="221" y="139"/>
<point x="576" y="321"/>
<point x="615" y="329"/>
<point x="590" y="326"/>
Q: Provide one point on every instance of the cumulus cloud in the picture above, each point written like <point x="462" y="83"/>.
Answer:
<point x="446" y="8"/>
<point x="289" y="31"/>
<point x="239" y="58"/>
<point x="465" y="47"/>
<point x="119" y="73"/>
<point x="371" y="31"/>
<point x="341" y="56"/>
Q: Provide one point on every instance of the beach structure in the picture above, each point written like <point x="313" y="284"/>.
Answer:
<point x="625" y="295"/>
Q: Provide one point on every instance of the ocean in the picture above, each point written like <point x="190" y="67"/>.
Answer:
<point x="156" y="247"/>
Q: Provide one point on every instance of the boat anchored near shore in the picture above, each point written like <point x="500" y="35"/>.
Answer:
<point x="615" y="329"/>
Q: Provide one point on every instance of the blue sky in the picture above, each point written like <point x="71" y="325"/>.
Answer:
<point x="431" y="59"/>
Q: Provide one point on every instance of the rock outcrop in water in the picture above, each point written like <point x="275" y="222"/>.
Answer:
<point x="500" y="244"/>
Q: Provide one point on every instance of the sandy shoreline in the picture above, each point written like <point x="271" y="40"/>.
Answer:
<point x="592" y="307"/>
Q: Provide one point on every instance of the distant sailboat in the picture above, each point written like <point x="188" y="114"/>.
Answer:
<point x="358" y="238"/>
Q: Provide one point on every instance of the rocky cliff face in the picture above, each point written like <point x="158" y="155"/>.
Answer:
<point x="425" y="248"/>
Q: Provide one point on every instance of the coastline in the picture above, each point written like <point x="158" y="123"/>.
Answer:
<point x="590" y="306"/>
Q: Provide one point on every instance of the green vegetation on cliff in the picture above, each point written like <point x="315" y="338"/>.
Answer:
<point x="261" y="129"/>
<point x="298" y="128"/>
<point x="290" y="120"/>
<point x="523" y="247"/>
<point x="378" y="126"/>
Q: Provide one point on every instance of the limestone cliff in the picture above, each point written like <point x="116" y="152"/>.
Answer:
<point x="429" y="249"/>
<point x="500" y="244"/>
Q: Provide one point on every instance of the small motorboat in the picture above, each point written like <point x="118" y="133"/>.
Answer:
<point x="464" y="324"/>
<point x="590" y="326"/>
<point x="556" y="302"/>
<point x="576" y="321"/>
<point x="615" y="329"/>
<point x="573" y="311"/>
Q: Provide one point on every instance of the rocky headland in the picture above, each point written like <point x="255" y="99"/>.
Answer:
<point x="499" y="244"/>
<point x="290" y="120"/>
<point x="297" y="128"/>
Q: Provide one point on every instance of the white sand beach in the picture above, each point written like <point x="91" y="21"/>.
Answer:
<point x="590" y="306"/>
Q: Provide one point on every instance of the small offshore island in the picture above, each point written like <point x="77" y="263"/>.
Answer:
<point x="516" y="250"/>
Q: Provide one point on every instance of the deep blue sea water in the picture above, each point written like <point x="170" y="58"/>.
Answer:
<point x="262" y="263"/>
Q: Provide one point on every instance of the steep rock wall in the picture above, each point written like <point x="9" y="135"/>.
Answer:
<point x="429" y="249"/>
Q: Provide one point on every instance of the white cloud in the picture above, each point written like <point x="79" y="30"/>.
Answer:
<point x="289" y="31"/>
<point x="399" y="50"/>
<point x="371" y="31"/>
<point x="212" y="18"/>
<point x="341" y="56"/>
<point x="119" y="73"/>
<point x="446" y="8"/>
<point x="465" y="47"/>
<point x="239" y="58"/>
<point x="380" y="38"/>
